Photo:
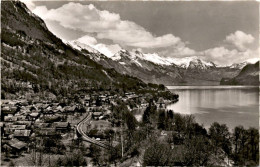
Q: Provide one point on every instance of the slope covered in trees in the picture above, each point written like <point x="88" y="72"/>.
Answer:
<point x="37" y="63"/>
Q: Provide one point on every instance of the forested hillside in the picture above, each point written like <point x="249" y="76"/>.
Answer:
<point x="37" y="63"/>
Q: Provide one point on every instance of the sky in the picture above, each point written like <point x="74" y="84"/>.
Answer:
<point x="222" y="32"/>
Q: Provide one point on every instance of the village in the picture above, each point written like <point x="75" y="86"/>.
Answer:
<point x="25" y="122"/>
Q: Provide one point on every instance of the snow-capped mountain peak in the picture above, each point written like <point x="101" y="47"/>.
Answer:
<point x="137" y="57"/>
<point x="187" y="62"/>
<point x="199" y="64"/>
<point x="79" y="46"/>
<point x="238" y="65"/>
<point x="243" y="64"/>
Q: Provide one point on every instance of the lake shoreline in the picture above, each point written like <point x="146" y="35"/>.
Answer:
<point x="213" y="87"/>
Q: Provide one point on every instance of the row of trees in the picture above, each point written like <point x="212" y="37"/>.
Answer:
<point x="194" y="145"/>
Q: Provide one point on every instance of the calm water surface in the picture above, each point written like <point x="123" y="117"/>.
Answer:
<point x="232" y="105"/>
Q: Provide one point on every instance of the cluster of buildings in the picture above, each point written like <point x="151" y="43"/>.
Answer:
<point x="22" y="121"/>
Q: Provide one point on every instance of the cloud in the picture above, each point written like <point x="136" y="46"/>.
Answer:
<point x="107" y="25"/>
<point x="240" y="39"/>
<point x="223" y="56"/>
<point x="241" y="53"/>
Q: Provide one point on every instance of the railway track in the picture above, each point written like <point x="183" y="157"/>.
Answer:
<point x="85" y="137"/>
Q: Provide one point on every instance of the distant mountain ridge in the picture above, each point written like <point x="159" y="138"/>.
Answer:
<point x="184" y="62"/>
<point x="164" y="70"/>
<point x="249" y="75"/>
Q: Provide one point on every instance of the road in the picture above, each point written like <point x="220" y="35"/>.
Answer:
<point x="83" y="134"/>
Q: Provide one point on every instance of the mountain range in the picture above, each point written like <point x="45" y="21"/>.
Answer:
<point x="163" y="70"/>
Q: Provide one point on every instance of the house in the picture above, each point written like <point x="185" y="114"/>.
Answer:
<point x="111" y="97"/>
<point x="8" y="131"/>
<point x="24" y="103"/>
<point x="45" y="106"/>
<point x="20" y="117"/>
<point x="8" y="110"/>
<point x="23" y="134"/>
<point x="100" y="125"/>
<point x="33" y="116"/>
<point x="93" y="103"/>
<point x="131" y="95"/>
<point x="57" y="109"/>
<point x="87" y="100"/>
<point x="96" y="115"/>
<point x="103" y="98"/>
<point x="38" y="105"/>
<point x="15" y="146"/>
<point x="33" y="109"/>
<point x="87" y="103"/>
<point x="17" y="127"/>
<point x="27" y="123"/>
<point x="160" y="103"/>
<point x="47" y="132"/>
<point x="70" y="109"/>
<point x="41" y="125"/>
<point x="144" y="103"/>
<point x="10" y="118"/>
<point x="48" y="113"/>
<point x="164" y="133"/>
<point x="62" y="127"/>
<point x="25" y="111"/>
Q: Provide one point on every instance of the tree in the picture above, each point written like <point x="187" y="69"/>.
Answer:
<point x="253" y="145"/>
<point x="170" y="114"/>
<point x="196" y="151"/>
<point x="95" y="153"/>
<point x="130" y="120"/>
<point x="220" y="136"/>
<point x="157" y="154"/>
<point x="179" y="127"/>
<point x="149" y="113"/>
<point x="110" y="134"/>
<point x="239" y="140"/>
<point x="75" y="158"/>
<point x="161" y="120"/>
<point x="114" y="154"/>
<point x="37" y="158"/>
<point x="198" y="130"/>
<point x="246" y="146"/>
<point x="161" y="87"/>
<point x="146" y="115"/>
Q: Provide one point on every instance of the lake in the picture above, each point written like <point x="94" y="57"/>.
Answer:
<point x="231" y="105"/>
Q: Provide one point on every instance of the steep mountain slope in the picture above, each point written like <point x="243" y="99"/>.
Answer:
<point x="34" y="62"/>
<point x="249" y="75"/>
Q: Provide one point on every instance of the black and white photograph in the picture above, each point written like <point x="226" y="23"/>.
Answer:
<point x="129" y="83"/>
